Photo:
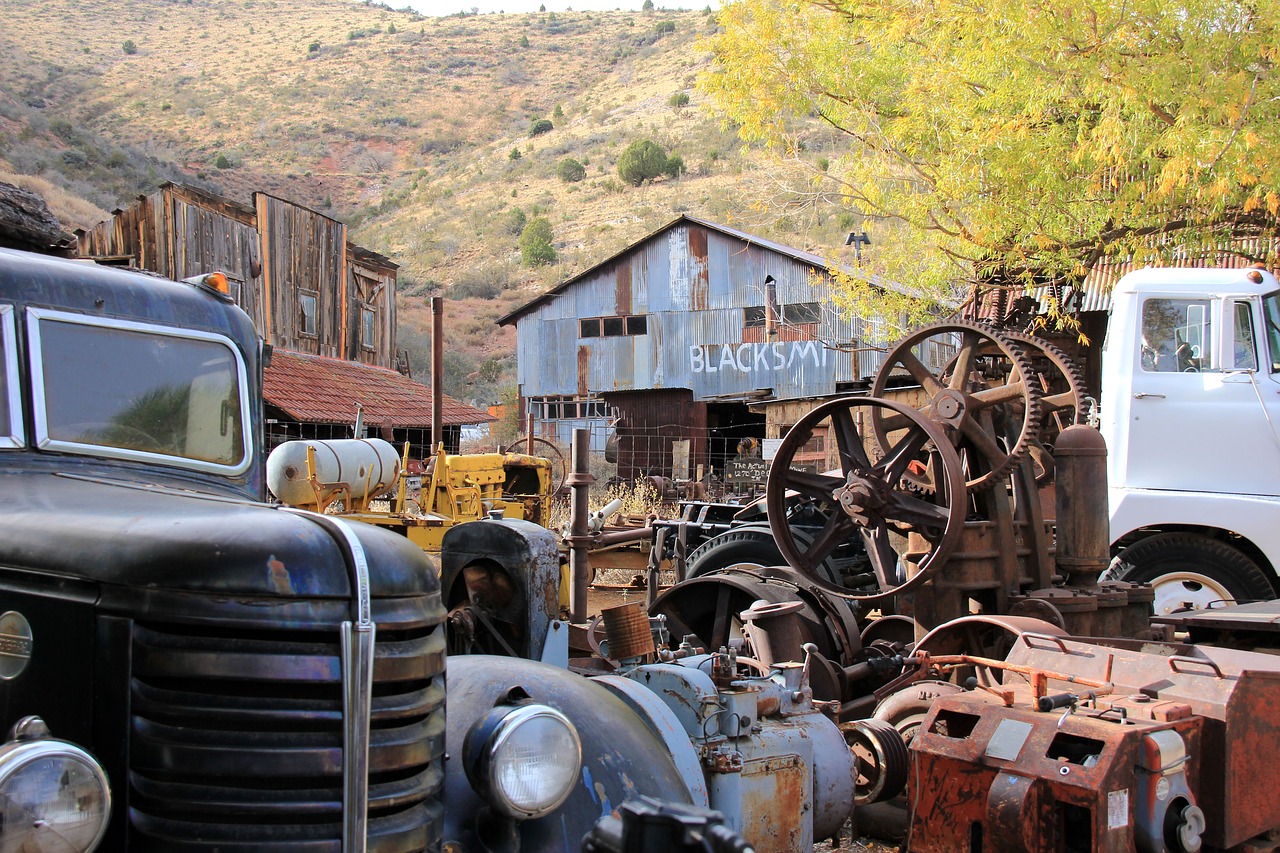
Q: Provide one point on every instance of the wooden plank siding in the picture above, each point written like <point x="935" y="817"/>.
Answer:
<point x="272" y="250"/>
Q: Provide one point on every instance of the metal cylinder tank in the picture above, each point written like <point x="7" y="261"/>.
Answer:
<point x="369" y="466"/>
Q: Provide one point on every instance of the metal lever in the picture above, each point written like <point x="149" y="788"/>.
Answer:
<point x="1143" y="394"/>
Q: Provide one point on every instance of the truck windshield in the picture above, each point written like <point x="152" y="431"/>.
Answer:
<point x="129" y="390"/>
<point x="10" y="388"/>
<point x="1271" y="316"/>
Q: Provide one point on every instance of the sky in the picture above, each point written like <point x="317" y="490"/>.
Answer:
<point x="449" y="7"/>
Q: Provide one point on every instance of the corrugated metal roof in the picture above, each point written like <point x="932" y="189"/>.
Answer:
<point x="316" y="389"/>
<point x="816" y="261"/>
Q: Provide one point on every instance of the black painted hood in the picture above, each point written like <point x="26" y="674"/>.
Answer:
<point x="159" y="538"/>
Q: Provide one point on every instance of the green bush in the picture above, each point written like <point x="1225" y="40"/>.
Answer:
<point x="678" y="101"/>
<point x="674" y="167"/>
<point x="129" y="47"/>
<point x="570" y="171"/>
<point x="541" y="126"/>
<point x="222" y="162"/>
<point x="313" y="47"/>
<point x="664" y="27"/>
<point x="514" y="221"/>
<point x="524" y="41"/>
<point x="643" y="161"/>
<point x="474" y="284"/>
<point x="515" y="154"/>
<point x="535" y="243"/>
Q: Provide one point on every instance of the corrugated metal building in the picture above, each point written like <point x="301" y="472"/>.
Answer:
<point x="675" y="341"/>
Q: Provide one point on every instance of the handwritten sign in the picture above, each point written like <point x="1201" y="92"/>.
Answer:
<point x="747" y="470"/>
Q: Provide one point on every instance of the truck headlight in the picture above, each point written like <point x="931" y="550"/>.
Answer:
<point x="524" y="759"/>
<point x="53" y="794"/>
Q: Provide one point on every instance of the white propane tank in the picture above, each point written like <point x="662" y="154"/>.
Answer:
<point x="369" y="466"/>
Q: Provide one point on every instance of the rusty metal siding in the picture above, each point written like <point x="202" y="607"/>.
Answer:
<point x="692" y="283"/>
<point x="622" y="291"/>
<point x="649" y="423"/>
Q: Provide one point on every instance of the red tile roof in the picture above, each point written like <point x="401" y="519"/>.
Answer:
<point x="316" y="389"/>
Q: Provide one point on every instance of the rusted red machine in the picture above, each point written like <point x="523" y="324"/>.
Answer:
<point x="1107" y="746"/>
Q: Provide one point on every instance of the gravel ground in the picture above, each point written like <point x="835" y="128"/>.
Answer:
<point x="857" y="845"/>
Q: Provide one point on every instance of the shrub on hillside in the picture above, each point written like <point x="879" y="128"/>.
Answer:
<point x="541" y="126"/>
<point x="474" y="283"/>
<point x="129" y="47"/>
<point x="678" y="101"/>
<point x="514" y="221"/>
<point x="643" y="161"/>
<point x="570" y="170"/>
<point x="535" y="243"/>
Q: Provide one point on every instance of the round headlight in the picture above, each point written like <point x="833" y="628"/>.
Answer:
<point x="53" y="796"/>
<point x="524" y="760"/>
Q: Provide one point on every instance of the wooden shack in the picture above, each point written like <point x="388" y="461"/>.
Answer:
<point x="292" y="269"/>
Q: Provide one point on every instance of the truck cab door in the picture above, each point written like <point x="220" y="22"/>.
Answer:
<point x="1201" y="414"/>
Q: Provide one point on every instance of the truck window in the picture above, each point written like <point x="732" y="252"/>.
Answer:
<point x="1271" y="317"/>
<point x="128" y="390"/>
<point x="1176" y="335"/>
<point x="10" y="389"/>
<point x="1244" y="351"/>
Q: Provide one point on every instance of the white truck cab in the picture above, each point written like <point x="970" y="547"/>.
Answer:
<point x="1190" y="410"/>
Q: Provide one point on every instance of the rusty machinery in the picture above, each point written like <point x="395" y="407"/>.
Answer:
<point x="1020" y="738"/>
<point x="942" y="492"/>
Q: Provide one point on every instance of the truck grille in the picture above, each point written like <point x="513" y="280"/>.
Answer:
<point x="236" y="737"/>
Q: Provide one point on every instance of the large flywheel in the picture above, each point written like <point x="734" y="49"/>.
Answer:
<point x="869" y="497"/>
<point x="984" y="395"/>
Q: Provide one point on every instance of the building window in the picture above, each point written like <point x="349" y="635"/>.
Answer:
<point x="614" y="327"/>
<point x="1176" y="335"/>
<point x="801" y="313"/>
<point x="307" y="314"/>
<point x="367" y="339"/>
<point x="796" y="314"/>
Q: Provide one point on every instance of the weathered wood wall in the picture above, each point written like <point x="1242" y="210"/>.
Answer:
<point x="275" y="251"/>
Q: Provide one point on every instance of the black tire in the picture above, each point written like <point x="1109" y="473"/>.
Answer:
<point x="749" y="545"/>
<point x="1186" y="565"/>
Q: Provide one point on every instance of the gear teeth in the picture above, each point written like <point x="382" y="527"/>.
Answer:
<point x="1030" y="398"/>
<point x="1067" y="368"/>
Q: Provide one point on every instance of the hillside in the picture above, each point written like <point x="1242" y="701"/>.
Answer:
<point x="414" y="130"/>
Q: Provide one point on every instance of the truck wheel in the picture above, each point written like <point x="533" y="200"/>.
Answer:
<point x="751" y="547"/>
<point x="1191" y="572"/>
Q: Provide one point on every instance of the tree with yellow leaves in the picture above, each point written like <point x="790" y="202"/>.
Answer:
<point x="1021" y="142"/>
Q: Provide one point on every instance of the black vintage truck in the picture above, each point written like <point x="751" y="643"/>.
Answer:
<point x="184" y="667"/>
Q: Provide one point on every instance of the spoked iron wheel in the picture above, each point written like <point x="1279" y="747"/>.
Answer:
<point x="868" y="497"/>
<point x="981" y="396"/>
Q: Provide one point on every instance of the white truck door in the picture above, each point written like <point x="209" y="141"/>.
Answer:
<point x="1196" y="415"/>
